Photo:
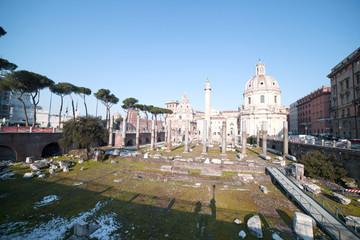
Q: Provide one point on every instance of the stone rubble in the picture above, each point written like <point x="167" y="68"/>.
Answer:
<point x="254" y="226"/>
<point x="341" y="199"/>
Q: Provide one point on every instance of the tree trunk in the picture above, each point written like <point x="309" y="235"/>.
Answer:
<point x="85" y="107"/>
<point x="34" y="109"/>
<point x="73" y="108"/>
<point x="61" y="105"/>
<point x="24" y="107"/>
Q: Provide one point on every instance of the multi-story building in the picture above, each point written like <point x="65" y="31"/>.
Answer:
<point x="314" y="112"/>
<point x="293" y="119"/>
<point x="345" y="96"/>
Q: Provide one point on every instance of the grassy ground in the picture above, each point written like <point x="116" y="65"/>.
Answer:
<point x="146" y="207"/>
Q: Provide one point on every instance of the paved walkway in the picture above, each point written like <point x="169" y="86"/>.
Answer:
<point x="331" y="224"/>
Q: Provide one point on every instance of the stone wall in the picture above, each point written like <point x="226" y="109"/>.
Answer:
<point x="350" y="157"/>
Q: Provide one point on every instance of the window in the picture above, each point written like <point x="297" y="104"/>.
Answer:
<point x="343" y="113"/>
<point x="347" y="83"/>
<point x="358" y="79"/>
<point x="348" y="112"/>
<point x="341" y="86"/>
<point x="262" y="98"/>
<point x="347" y="98"/>
<point x="249" y="100"/>
<point x="261" y="83"/>
<point x="275" y="99"/>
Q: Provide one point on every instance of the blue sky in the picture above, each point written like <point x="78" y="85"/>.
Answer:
<point x="156" y="50"/>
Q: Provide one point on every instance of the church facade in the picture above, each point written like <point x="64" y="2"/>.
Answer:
<point x="262" y="102"/>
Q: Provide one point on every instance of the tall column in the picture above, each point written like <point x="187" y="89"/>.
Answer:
<point x="153" y="135"/>
<point x="137" y="145"/>
<point x="111" y="136"/>
<point x="257" y="137"/>
<point x="169" y="137"/>
<point x="204" y="136"/>
<point x="223" y="147"/>
<point x="186" y="146"/>
<point x="286" y="139"/>
<point x="123" y="132"/>
<point x="208" y="108"/>
<point x="264" y="137"/>
<point x="244" y="138"/>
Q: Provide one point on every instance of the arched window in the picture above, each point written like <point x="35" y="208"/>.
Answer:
<point x="262" y="98"/>
<point x="275" y="99"/>
<point x="249" y="100"/>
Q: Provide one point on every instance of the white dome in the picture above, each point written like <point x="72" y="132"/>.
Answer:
<point x="261" y="81"/>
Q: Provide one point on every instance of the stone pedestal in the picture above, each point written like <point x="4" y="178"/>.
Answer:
<point x="264" y="137"/>
<point x="223" y="145"/>
<point x="286" y="139"/>
<point x="186" y="144"/>
<point x="303" y="226"/>
<point x="137" y="144"/>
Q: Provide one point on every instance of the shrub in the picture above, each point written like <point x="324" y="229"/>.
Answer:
<point x="320" y="164"/>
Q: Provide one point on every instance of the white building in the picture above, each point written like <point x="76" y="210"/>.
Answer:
<point x="262" y="102"/>
<point x="44" y="119"/>
<point x="293" y="118"/>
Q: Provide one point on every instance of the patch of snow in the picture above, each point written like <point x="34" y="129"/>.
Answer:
<point x="242" y="234"/>
<point x="51" y="230"/>
<point x="276" y="237"/>
<point x="46" y="200"/>
<point x="78" y="184"/>
<point x="108" y="225"/>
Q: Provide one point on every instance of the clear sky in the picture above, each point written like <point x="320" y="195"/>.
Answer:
<point x="157" y="50"/>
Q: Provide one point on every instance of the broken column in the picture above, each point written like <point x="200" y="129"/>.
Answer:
<point x="123" y="142"/>
<point x="111" y="135"/>
<point x="186" y="145"/>
<point x="153" y="135"/>
<point x="257" y="137"/>
<point x="303" y="225"/>
<point x="169" y="137"/>
<point x="264" y="137"/>
<point x="204" y="137"/>
<point x="137" y="144"/>
<point x="286" y="139"/>
<point x="244" y="138"/>
<point x="223" y="146"/>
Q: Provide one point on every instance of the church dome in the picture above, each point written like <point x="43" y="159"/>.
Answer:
<point x="261" y="81"/>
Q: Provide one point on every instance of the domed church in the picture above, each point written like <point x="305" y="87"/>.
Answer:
<point x="262" y="102"/>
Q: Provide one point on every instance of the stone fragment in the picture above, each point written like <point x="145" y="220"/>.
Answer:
<point x="242" y="234"/>
<point x="166" y="168"/>
<point x="216" y="161"/>
<point x="29" y="175"/>
<point x="147" y="155"/>
<point x="41" y="175"/>
<point x="282" y="163"/>
<point x="228" y="162"/>
<point x="189" y="160"/>
<point x="276" y="236"/>
<point x="178" y="170"/>
<point x="312" y="188"/>
<point x="237" y="221"/>
<point x="7" y="176"/>
<point x="265" y="157"/>
<point x="81" y="161"/>
<point x="116" y="152"/>
<point x="291" y="158"/>
<point x="246" y="177"/>
<point x="303" y="226"/>
<point x="279" y="158"/>
<point x="112" y="161"/>
<point x="297" y="170"/>
<point x="341" y="199"/>
<point x="240" y="156"/>
<point x="51" y="170"/>
<point x="351" y="221"/>
<point x="65" y="163"/>
<point x="254" y="226"/>
<point x="29" y="160"/>
<point x="207" y="161"/>
<point x="264" y="189"/>
<point x="82" y="168"/>
<point x="65" y="169"/>
<point x="81" y="229"/>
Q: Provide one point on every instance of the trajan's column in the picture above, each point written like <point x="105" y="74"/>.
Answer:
<point x="208" y="106"/>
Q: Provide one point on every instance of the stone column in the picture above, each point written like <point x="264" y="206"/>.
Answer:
<point x="153" y="135"/>
<point x="31" y="129"/>
<point x="334" y="143"/>
<point x="243" y="138"/>
<point x="204" y="137"/>
<point x="137" y="145"/>
<point x="123" y="132"/>
<point x="186" y="146"/>
<point x="322" y="142"/>
<point x="169" y="137"/>
<point x="257" y="137"/>
<point x="264" y="137"/>
<point x="223" y="148"/>
<point x="111" y="135"/>
<point x="209" y="133"/>
<point x="286" y="139"/>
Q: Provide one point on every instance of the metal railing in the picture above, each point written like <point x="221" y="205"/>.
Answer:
<point x="308" y="207"/>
